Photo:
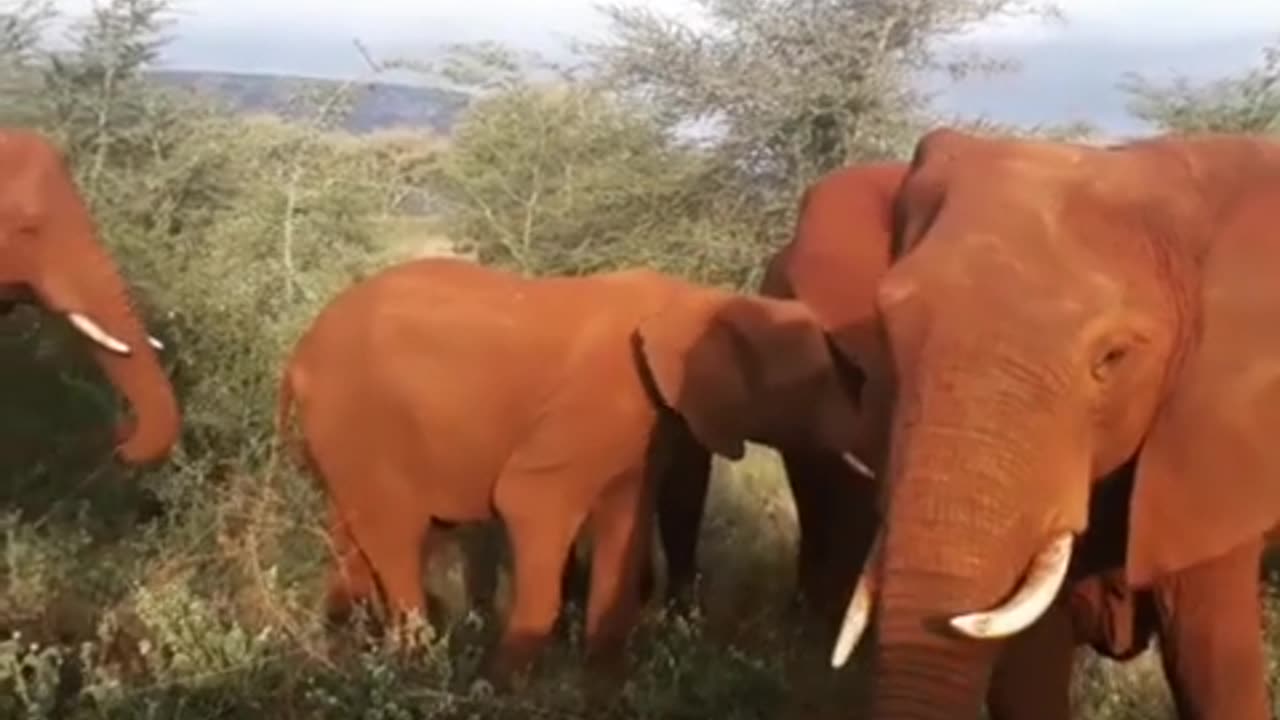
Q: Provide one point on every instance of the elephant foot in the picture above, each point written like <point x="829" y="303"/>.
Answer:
<point x="603" y="681"/>
<point x="512" y="663"/>
<point x="504" y="675"/>
<point x="683" y="599"/>
<point x="412" y="634"/>
<point x="816" y="617"/>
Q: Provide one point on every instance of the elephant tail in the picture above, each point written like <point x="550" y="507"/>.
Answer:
<point x="291" y="445"/>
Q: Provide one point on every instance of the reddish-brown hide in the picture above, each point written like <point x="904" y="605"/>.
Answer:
<point x="838" y="252"/>
<point x="50" y="253"/>
<point x="1062" y="316"/>
<point x="441" y="390"/>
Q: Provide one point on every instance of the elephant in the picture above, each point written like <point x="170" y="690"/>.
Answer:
<point x="838" y="251"/>
<point x="1061" y="317"/>
<point x="554" y="418"/>
<point x="1096" y="608"/>
<point x="51" y="256"/>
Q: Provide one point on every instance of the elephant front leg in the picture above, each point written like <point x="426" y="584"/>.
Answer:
<point x="1032" y="677"/>
<point x="622" y="522"/>
<point x="541" y="533"/>
<point x="1210" y="625"/>
<point x="836" y="514"/>
<point x="682" y="482"/>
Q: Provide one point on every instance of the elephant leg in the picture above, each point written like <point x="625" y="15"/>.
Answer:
<point x="622" y="521"/>
<point x="541" y="538"/>
<point x="1031" y="679"/>
<point x="1210" y="627"/>
<point x="682" y="495"/>
<point x="483" y="552"/>
<point x="351" y="580"/>
<point x="836" y="513"/>
<point x="393" y="542"/>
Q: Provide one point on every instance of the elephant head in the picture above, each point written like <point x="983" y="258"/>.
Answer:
<point x="741" y="368"/>
<point x="1056" y="313"/>
<point x="50" y="254"/>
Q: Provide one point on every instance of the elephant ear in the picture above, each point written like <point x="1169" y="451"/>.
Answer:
<point x="703" y="365"/>
<point x="1208" y="475"/>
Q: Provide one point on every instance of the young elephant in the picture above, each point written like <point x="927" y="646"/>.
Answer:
<point x="440" y="390"/>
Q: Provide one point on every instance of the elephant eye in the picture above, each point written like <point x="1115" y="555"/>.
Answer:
<point x="1108" y="361"/>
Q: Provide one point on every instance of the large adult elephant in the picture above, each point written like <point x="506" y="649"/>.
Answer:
<point x="50" y="254"/>
<point x="837" y="253"/>
<point x="1060" y="318"/>
<point x="442" y="391"/>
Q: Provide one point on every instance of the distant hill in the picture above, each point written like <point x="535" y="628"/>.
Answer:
<point x="377" y="106"/>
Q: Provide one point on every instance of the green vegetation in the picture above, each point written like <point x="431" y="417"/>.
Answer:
<point x="192" y="590"/>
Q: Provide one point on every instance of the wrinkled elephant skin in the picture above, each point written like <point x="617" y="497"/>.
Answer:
<point x="444" y="391"/>
<point x="50" y="254"/>
<point x="1059" y="315"/>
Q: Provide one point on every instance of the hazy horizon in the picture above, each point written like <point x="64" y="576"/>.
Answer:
<point x="1069" y="70"/>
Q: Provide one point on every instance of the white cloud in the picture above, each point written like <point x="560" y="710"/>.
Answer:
<point x="1068" y="68"/>
<point x="1145" y="22"/>
<point x="543" y="23"/>
<point x="1144" y="17"/>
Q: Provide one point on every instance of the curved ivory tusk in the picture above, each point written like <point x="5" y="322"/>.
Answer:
<point x="1039" y="587"/>
<point x="94" y="332"/>
<point x="858" y="466"/>
<point x="155" y="342"/>
<point x="858" y="614"/>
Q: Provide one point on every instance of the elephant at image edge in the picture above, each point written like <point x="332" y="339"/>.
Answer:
<point x="444" y="391"/>
<point x="50" y="254"/>
<point x="1059" y="317"/>
<point x="838" y="252"/>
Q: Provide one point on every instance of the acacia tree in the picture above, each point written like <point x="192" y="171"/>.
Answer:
<point x="795" y="88"/>
<point x="563" y="178"/>
<point x="685" y="143"/>
<point x="1249" y="102"/>
<point x="21" y="24"/>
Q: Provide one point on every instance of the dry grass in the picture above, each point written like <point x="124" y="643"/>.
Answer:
<point x="211" y="611"/>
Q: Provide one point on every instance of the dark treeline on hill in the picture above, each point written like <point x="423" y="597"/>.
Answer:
<point x="375" y="105"/>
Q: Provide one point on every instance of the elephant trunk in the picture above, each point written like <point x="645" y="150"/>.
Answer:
<point x="933" y="569"/>
<point x="921" y="671"/>
<point x="78" y="279"/>
<point x="968" y="556"/>
<point x="140" y="378"/>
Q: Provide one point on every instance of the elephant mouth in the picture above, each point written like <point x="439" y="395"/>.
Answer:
<point x="1035" y="593"/>
<point x="92" y="330"/>
<point x="11" y="296"/>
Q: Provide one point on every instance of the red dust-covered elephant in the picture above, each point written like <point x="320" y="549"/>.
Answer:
<point x="443" y="391"/>
<point x="832" y="264"/>
<point x="1061" y="319"/>
<point x="50" y="255"/>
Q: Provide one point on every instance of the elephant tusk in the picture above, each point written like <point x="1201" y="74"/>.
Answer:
<point x="858" y="466"/>
<point x="1037" y="591"/>
<point x="155" y="342"/>
<point x="94" y="332"/>
<point x="859" y="611"/>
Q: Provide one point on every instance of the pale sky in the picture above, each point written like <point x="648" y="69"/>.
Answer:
<point x="1066" y="67"/>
